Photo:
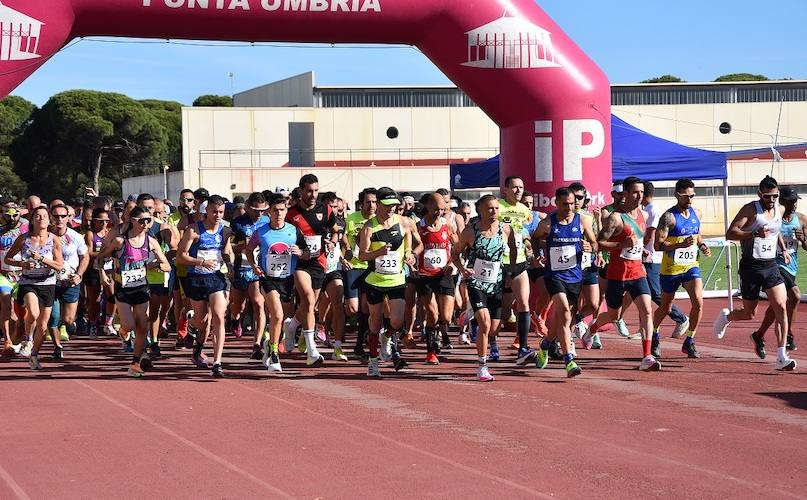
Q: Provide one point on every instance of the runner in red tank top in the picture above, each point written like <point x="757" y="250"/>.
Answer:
<point x="434" y="285"/>
<point x="622" y="235"/>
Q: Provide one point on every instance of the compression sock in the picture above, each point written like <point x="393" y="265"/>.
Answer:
<point x="646" y="347"/>
<point x="523" y="328"/>
<point x="691" y="334"/>
<point x="363" y="326"/>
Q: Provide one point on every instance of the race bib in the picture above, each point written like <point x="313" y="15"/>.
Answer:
<point x="588" y="260"/>
<point x="245" y="261"/>
<point x="486" y="271"/>
<point x="133" y="278"/>
<point x="791" y="245"/>
<point x="632" y="253"/>
<point x="435" y="258"/>
<point x="314" y="245"/>
<point x="657" y="257"/>
<point x="685" y="256"/>
<point x="108" y="264"/>
<point x="332" y="262"/>
<point x="765" y="248"/>
<point x="519" y="245"/>
<point x="388" y="264"/>
<point x="277" y="265"/>
<point x="563" y="257"/>
<point x="210" y="254"/>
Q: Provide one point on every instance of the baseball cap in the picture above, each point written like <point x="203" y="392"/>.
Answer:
<point x="387" y="196"/>
<point x="453" y="203"/>
<point x="788" y="194"/>
<point x="282" y="190"/>
<point x="617" y="188"/>
<point x="201" y="194"/>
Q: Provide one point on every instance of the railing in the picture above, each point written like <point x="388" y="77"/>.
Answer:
<point x="339" y="158"/>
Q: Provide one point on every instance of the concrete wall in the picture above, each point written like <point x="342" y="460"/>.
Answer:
<point x="155" y="185"/>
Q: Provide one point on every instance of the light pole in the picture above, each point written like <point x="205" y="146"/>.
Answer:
<point x="165" y="182"/>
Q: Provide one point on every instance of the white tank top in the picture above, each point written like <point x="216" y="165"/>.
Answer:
<point x="763" y="248"/>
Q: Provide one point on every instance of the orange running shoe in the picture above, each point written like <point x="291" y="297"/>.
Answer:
<point x="431" y="359"/>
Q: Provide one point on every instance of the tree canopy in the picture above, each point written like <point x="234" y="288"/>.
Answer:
<point x="213" y="101"/>
<point x="664" y="79"/>
<point x="83" y="137"/>
<point x="742" y="77"/>
<point x="15" y="115"/>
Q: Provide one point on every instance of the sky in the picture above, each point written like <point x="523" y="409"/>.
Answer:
<point x="631" y="40"/>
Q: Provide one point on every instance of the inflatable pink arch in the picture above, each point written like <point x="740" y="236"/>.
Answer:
<point x="550" y="100"/>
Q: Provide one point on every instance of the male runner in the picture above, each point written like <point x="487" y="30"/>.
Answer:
<point x="678" y="237"/>
<point x="757" y="227"/>
<point x="591" y="262"/>
<point x="356" y="301"/>
<point x="9" y="275"/>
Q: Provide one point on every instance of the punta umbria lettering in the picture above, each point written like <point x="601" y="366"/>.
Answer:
<point x="272" y="5"/>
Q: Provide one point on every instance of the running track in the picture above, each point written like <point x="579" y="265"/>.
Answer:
<point x="723" y="426"/>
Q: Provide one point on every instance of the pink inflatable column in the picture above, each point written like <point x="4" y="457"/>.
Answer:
<point x="550" y="100"/>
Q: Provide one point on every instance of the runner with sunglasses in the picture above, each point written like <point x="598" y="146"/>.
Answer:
<point x="12" y="228"/>
<point x="758" y="228"/>
<point x="246" y="285"/>
<point x="206" y="250"/>
<point x="41" y="255"/>
<point x="98" y="278"/>
<point x="678" y="237"/>
<point x="182" y="306"/>
<point x="134" y="252"/>
<point x="355" y="298"/>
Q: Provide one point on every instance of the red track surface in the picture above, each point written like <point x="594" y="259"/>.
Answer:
<point x="726" y="425"/>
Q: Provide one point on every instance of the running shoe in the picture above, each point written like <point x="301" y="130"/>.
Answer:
<point x="409" y="341"/>
<point x="525" y="356"/>
<point x="110" y="331"/>
<point x="791" y="343"/>
<point x="322" y="336"/>
<point x="689" y="349"/>
<point x="198" y="357"/>
<point x="494" y="353"/>
<point x="93" y="331"/>
<point x="446" y="344"/>
<point x="759" y="345"/>
<point x="579" y="330"/>
<point x="33" y="362"/>
<point x="360" y="354"/>
<point x="314" y="359"/>
<point x="128" y="345"/>
<point x="540" y="326"/>
<point x="338" y="354"/>
<point x="156" y="353"/>
<point x="572" y="370"/>
<point x="484" y="374"/>
<point x="622" y="328"/>
<point x="236" y="328"/>
<point x="587" y="339"/>
<point x="649" y="364"/>
<point x="399" y="363"/>
<point x="272" y="362"/>
<point x="372" y="368"/>
<point x="515" y="345"/>
<point x="596" y="343"/>
<point x="542" y="359"/>
<point x="190" y="340"/>
<point x="680" y="329"/>
<point x="555" y="352"/>
<point x="302" y="344"/>
<point x="288" y="335"/>
<point x="63" y="336"/>
<point x="721" y="322"/>
<point x="58" y="352"/>
<point x="145" y="362"/>
<point x="257" y="352"/>
<point x="465" y="339"/>
<point x="655" y="347"/>
<point x="135" y="371"/>
<point x="25" y="349"/>
<point x="386" y="348"/>
<point x="431" y="359"/>
<point x="217" y="371"/>
<point x="782" y="365"/>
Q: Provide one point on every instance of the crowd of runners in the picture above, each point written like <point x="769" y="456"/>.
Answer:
<point x="295" y="267"/>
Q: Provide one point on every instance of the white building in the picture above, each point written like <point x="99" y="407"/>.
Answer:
<point x="406" y="137"/>
<point x="510" y="43"/>
<point x="19" y="35"/>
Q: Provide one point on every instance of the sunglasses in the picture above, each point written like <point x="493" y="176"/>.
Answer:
<point x="770" y="196"/>
<point x="259" y="210"/>
<point x="100" y="220"/>
<point x="579" y="197"/>
<point x="61" y="216"/>
<point x="144" y="221"/>
<point x="690" y="196"/>
<point x="188" y="200"/>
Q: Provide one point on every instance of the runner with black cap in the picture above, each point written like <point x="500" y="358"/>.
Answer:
<point x="9" y="275"/>
<point x="355" y="298"/>
<point x="385" y="243"/>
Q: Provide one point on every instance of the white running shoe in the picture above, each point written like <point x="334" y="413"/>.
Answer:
<point x="465" y="339"/>
<point x="588" y="338"/>
<point x="16" y="348"/>
<point x="25" y="350"/>
<point x="314" y="358"/>
<point x="372" y="368"/>
<point x="484" y="374"/>
<point x="579" y="329"/>
<point x="721" y="322"/>
<point x="622" y="328"/>
<point x="786" y="365"/>
<point x="386" y="347"/>
<point x="273" y="362"/>
<point x="288" y="337"/>
<point x="266" y="353"/>
<point x="650" y="364"/>
<point x="110" y="331"/>
<point x="680" y="329"/>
